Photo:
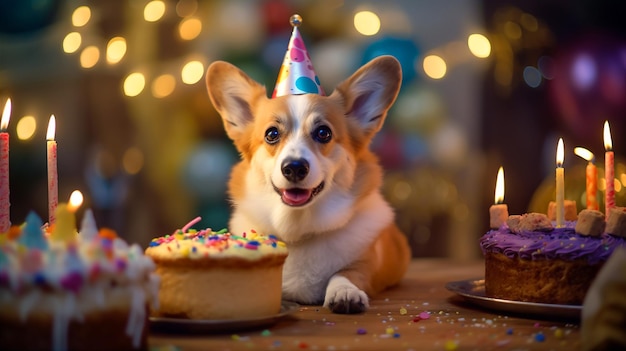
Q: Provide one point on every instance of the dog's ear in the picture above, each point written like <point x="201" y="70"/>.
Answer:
<point x="233" y="94"/>
<point x="370" y="92"/>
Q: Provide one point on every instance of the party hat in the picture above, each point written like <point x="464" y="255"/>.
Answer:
<point x="296" y="74"/>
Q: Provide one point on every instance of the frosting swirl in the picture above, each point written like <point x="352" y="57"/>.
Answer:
<point x="559" y="243"/>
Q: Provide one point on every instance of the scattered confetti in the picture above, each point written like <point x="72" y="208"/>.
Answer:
<point x="451" y="345"/>
<point x="266" y="332"/>
<point x="403" y="311"/>
<point x="539" y="337"/>
<point x="389" y="330"/>
<point x="361" y="331"/>
<point x="558" y="333"/>
<point x="509" y="331"/>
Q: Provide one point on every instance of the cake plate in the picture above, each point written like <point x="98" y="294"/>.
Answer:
<point x="183" y="325"/>
<point x="473" y="290"/>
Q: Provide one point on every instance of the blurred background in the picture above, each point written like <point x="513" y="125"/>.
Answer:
<point x="486" y="84"/>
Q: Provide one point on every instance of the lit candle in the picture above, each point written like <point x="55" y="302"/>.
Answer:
<point x="560" y="185"/>
<point x="609" y="171"/>
<point x="53" y="186"/>
<point x="5" y="203"/>
<point x="65" y="227"/>
<point x="591" y="178"/>
<point x="498" y="212"/>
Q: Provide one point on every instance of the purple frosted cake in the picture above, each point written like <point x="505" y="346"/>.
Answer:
<point x="527" y="259"/>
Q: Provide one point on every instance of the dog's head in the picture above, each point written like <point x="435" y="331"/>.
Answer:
<point x="305" y="146"/>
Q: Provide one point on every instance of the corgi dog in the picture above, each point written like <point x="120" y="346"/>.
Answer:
<point x="307" y="175"/>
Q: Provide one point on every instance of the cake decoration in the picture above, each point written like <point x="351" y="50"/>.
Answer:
<point x="192" y="243"/>
<point x="70" y="275"/>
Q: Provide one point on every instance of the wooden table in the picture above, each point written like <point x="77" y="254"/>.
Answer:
<point x="393" y="323"/>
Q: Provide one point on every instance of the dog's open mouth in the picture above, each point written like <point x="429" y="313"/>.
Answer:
<point x="298" y="196"/>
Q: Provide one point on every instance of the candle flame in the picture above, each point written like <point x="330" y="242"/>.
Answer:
<point x="584" y="153"/>
<point x="608" y="143"/>
<point x="560" y="153"/>
<point x="499" y="198"/>
<point x="52" y="128"/>
<point x="6" y="115"/>
<point x="76" y="199"/>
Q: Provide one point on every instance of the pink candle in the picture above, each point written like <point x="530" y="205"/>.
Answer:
<point x="53" y="190"/>
<point x="5" y="216"/>
<point x="609" y="171"/>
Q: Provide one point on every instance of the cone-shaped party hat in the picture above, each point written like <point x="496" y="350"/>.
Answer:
<point x="296" y="74"/>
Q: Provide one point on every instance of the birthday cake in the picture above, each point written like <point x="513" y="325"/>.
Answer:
<point x="207" y="275"/>
<point x="529" y="259"/>
<point x="64" y="290"/>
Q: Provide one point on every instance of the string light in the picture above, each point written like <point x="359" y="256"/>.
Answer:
<point x="154" y="11"/>
<point x="72" y="42"/>
<point x="134" y="84"/>
<point x="116" y="49"/>
<point x="434" y="66"/>
<point x="366" y="23"/>
<point x="89" y="57"/>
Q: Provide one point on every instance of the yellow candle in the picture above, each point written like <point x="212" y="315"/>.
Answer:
<point x="560" y="185"/>
<point x="609" y="171"/>
<point x="498" y="212"/>
<point x="64" y="228"/>
<point x="591" y="178"/>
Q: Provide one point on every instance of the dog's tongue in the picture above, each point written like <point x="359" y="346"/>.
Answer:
<point x="296" y="196"/>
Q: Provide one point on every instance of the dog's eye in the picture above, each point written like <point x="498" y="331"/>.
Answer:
<point x="322" y="134"/>
<point x="272" y="135"/>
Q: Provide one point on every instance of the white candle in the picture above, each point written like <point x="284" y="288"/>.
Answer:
<point x="609" y="171"/>
<point x="498" y="212"/>
<point x="5" y="203"/>
<point x="53" y="186"/>
<point x="560" y="185"/>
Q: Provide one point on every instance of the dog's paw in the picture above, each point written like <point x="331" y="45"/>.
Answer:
<point x="344" y="297"/>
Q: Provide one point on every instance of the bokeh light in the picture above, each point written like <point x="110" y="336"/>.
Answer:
<point x="116" y="49"/>
<point x="185" y="8"/>
<point x="479" y="45"/>
<point x="190" y="28"/>
<point x="132" y="161"/>
<point x="154" y="10"/>
<point x="192" y="72"/>
<point x="134" y="84"/>
<point x="89" y="57"/>
<point x="434" y="66"/>
<point x="72" y="42"/>
<point x="163" y="85"/>
<point x="26" y="127"/>
<point x="532" y="76"/>
<point x="81" y="16"/>
<point x="366" y="23"/>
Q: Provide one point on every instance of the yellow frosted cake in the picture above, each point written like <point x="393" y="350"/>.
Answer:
<point x="73" y="291"/>
<point x="218" y="275"/>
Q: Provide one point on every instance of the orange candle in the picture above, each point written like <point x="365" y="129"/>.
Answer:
<point x="609" y="171"/>
<point x="591" y="178"/>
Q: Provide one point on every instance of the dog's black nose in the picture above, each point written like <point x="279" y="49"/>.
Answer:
<point x="295" y="169"/>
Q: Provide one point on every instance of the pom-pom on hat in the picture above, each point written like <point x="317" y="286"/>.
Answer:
<point x="296" y="74"/>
